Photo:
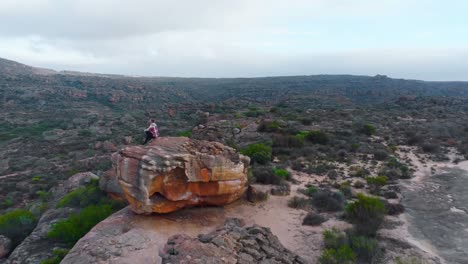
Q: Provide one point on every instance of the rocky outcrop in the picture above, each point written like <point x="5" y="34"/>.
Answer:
<point x="175" y="172"/>
<point x="229" y="132"/>
<point x="37" y="246"/>
<point x="231" y="243"/>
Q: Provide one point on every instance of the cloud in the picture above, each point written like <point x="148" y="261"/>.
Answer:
<point x="412" y="38"/>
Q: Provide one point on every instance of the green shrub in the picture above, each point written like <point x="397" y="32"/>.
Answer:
<point x="17" y="225"/>
<point x="377" y="180"/>
<point x="85" y="133"/>
<point x="103" y="165"/>
<point x="333" y="238"/>
<point x="366" y="249"/>
<point x="345" y="189"/>
<point x="282" y="173"/>
<point x="266" y="175"/>
<point x="58" y="255"/>
<point x="342" y="255"/>
<point x="287" y="141"/>
<point x="87" y="195"/>
<point x="258" y="153"/>
<point x="187" y="133"/>
<point x="43" y="195"/>
<point x="77" y="225"/>
<point x="269" y="126"/>
<point x="354" y="147"/>
<point x="36" y="179"/>
<point x="368" y="129"/>
<point x="72" y="172"/>
<point x="317" y="137"/>
<point x="366" y="214"/>
<point x="81" y="197"/>
<point x="254" y="113"/>
<point x="311" y="190"/>
<point x="7" y="202"/>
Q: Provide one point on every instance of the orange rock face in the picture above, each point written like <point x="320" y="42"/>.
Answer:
<point x="175" y="172"/>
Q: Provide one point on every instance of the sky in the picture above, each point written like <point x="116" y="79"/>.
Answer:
<point x="414" y="39"/>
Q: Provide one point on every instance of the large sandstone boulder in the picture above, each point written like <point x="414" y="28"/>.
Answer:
<point x="175" y="172"/>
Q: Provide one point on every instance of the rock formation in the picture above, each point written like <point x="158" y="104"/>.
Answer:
<point x="231" y="243"/>
<point x="175" y="172"/>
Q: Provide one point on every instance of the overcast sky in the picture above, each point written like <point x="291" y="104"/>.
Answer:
<point x="418" y="39"/>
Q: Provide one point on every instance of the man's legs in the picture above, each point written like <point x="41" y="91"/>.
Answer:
<point x="149" y="136"/>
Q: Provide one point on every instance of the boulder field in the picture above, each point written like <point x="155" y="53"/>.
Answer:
<point x="175" y="172"/>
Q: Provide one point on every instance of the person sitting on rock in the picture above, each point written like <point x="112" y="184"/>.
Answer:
<point x="152" y="132"/>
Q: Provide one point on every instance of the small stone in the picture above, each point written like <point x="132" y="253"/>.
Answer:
<point x="5" y="246"/>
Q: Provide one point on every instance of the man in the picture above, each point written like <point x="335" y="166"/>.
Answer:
<point x="152" y="132"/>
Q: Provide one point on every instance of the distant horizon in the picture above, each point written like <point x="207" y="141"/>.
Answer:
<point x="235" y="77"/>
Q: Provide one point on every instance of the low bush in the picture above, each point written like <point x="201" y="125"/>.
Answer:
<point x="258" y="153"/>
<point x="287" y="141"/>
<point x="58" y="255"/>
<point x="43" y="195"/>
<point x="313" y="219"/>
<point x="326" y="200"/>
<point x="70" y="230"/>
<point x="430" y="148"/>
<point x="266" y="175"/>
<point x="311" y="190"/>
<point x="366" y="249"/>
<point x="342" y="255"/>
<point x="345" y="189"/>
<point x="366" y="214"/>
<point x="81" y="197"/>
<point x="85" y="133"/>
<point x="187" y="133"/>
<point x="17" y="225"/>
<point x="87" y="195"/>
<point x="380" y="155"/>
<point x="269" y="126"/>
<point x="332" y="238"/>
<point x="379" y="181"/>
<point x="282" y="173"/>
<point x="317" y="137"/>
<point x="298" y="202"/>
<point x="368" y="129"/>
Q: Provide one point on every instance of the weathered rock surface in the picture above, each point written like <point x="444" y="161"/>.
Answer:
<point x="175" y="172"/>
<point x="231" y="243"/>
<point x="5" y="246"/>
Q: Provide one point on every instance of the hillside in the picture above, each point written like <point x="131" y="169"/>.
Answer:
<point x="332" y="132"/>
